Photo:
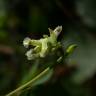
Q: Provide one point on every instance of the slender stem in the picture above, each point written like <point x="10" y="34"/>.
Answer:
<point x="28" y="83"/>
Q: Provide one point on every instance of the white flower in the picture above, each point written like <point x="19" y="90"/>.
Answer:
<point x="42" y="46"/>
<point x="26" y="42"/>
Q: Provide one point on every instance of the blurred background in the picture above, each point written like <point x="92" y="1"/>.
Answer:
<point x="32" y="18"/>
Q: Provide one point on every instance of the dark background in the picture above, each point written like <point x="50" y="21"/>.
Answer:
<point x="32" y="18"/>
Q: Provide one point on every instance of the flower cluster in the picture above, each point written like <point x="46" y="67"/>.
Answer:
<point x="44" y="45"/>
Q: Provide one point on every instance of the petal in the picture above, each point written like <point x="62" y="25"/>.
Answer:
<point x="44" y="48"/>
<point x="29" y="54"/>
<point x="57" y="30"/>
<point x="35" y="42"/>
<point x="26" y="42"/>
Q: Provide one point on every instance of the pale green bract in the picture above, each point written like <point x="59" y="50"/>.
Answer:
<point x="44" y="45"/>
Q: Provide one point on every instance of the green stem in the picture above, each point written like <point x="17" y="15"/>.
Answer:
<point x="28" y="83"/>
